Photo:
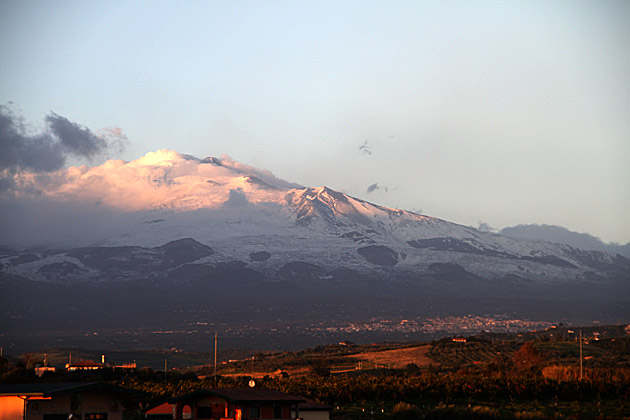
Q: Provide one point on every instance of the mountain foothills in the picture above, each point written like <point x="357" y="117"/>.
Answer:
<point x="213" y="244"/>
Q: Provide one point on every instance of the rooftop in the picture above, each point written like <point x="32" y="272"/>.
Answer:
<point x="243" y="396"/>
<point x="49" y="389"/>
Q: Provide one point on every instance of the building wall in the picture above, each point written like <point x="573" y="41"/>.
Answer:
<point x="11" y="408"/>
<point x="94" y="402"/>
<point x="266" y="411"/>
<point x="315" y="415"/>
<point x="90" y="402"/>
<point x="218" y="409"/>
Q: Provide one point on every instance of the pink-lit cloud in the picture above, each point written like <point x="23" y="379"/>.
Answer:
<point x="80" y="204"/>
<point x="158" y="180"/>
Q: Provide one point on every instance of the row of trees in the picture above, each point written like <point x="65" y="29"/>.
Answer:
<point x="474" y="384"/>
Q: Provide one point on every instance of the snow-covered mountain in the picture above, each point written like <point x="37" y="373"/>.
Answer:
<point x="239" y="211"/>
<point x="213" y="228"/>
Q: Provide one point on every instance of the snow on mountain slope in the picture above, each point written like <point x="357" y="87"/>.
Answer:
<point x="240" y="212"/>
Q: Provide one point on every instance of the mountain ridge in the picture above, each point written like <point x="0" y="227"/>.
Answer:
<point x="268" y="250"/>
<point x="559" y="234"/>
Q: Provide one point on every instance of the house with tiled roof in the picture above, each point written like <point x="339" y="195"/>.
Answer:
<point x="65" y="400"/>
<point x="233" y="404"/>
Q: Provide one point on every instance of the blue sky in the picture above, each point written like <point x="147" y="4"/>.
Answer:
<point x="497" y="112"/>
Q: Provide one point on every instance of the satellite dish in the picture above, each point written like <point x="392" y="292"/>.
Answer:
<point x="252" y="383"/>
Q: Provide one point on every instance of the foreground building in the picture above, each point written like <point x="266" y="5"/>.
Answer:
<point x="233" y="404"/>
<point x="313" y="410"/>
<point x="63" y="401"/>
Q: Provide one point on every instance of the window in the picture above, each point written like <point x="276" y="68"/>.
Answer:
<point x="75" y="402"/>
<point x="186" y="412"/>
<point x="254" y="412"/>
<point x="55" y="417"/>
<point x="277" y="411"/>
<point x="114" y="405"/>
<point x="96" y="416"/>
<point x="204" y="412"/>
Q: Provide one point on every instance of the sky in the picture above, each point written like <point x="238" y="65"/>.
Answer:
<point x="475" y="112"/>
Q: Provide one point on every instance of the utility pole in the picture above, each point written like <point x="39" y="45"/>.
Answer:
<point x="164" y="370"/>
<point x="581" y="355"/>
<point x="215" y="359"/>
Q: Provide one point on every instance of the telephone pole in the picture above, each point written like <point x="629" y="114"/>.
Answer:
<point x="215" y="359"/>
<point x="581" y="355"/>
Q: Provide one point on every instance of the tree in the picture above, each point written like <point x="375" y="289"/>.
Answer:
<point x="526" y="358"/>
<point x="405" y="411"/>
<point x="320" y="367"/>
<point x="412" y="369"/>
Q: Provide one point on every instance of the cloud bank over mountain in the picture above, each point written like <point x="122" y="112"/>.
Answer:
<point x="81" y="204"/>
<point x="163" y="179"/>
<point x="559" y="234"/>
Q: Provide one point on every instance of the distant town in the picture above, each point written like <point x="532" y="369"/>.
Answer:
<point x="438" y="325"/>
<point x="374" y="328"/>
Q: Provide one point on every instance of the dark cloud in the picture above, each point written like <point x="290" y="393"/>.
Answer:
<point x="77" y="140"/>
<point x="20" y="151"/>
<point x="47" y="151"/>
<point x="366" y="148"/>
<point x="375" y="187"/>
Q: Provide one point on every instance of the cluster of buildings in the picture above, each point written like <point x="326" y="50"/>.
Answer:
<point x="84" y="365"/>
<point x="101" y="401"/>
<point x="438" y="325"/>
